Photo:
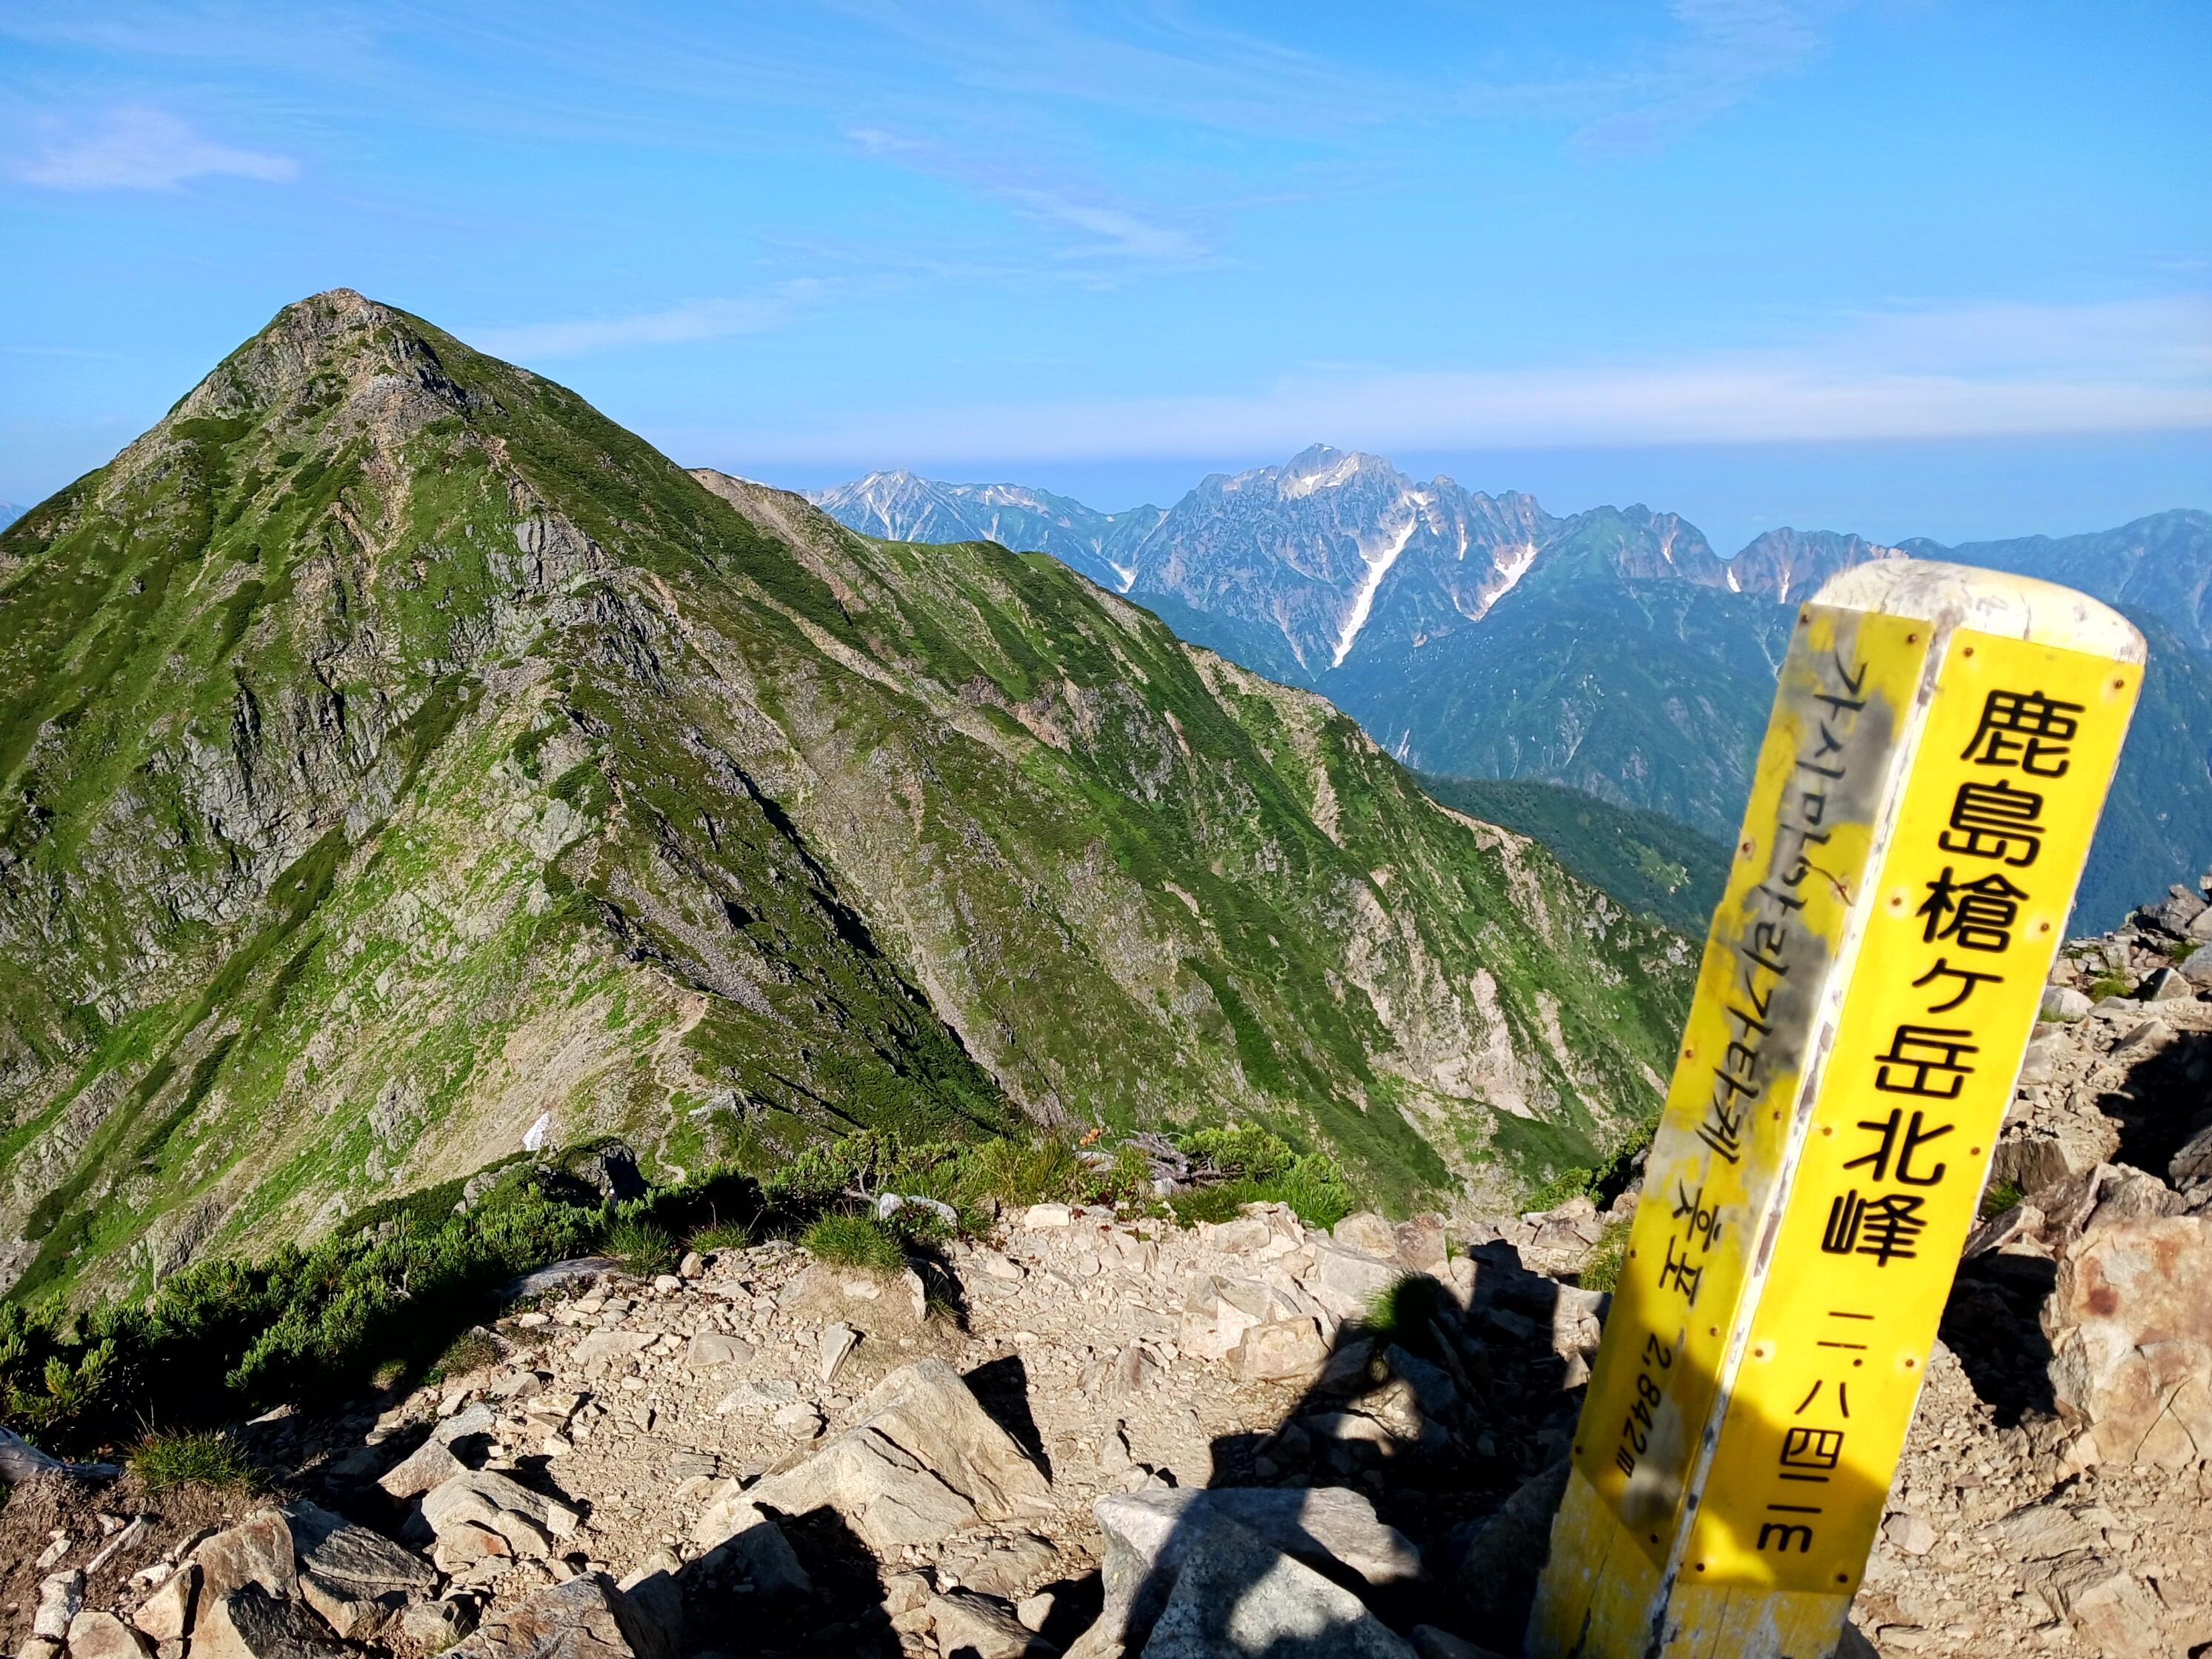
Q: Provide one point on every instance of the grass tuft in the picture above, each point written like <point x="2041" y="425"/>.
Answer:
<point x="1601" y="1268"/>
<point x="164" y="1461"/>
<point x="644" y="1247"/>
<point x="860" y="1241"/>
<point x="471" y="1351"/>
<point x="720" y="1236"/>
<point x="1405" y="1315"/>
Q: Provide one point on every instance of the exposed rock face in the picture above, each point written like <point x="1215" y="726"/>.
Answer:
<point x="1239" y="1597"/>
<point x="586" y="1618"/>
<point x="2131" y="1323"/>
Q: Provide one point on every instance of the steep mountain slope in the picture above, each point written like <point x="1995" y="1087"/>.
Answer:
<point x="1650" y="862"/>
<point x="900" y="507"/>
<point x="1614" y="650"/>
<point x="397" y="754"/>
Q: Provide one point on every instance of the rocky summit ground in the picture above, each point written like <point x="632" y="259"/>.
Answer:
<point x="1094" y="1435"/>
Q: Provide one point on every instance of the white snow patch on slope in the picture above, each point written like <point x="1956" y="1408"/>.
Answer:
<point x="1378" y="567"/>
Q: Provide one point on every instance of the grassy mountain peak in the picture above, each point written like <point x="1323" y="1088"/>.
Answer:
<point x="397" y="753"/>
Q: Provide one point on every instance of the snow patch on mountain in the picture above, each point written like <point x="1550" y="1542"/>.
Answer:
<point x="1378" y="566"/>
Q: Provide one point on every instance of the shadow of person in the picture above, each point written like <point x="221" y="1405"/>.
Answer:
<point x="2165" y="1098"/>
<point x="1456" y="1417"/>
<point x="735" y="1602"/>
<point x="1434" y="1410"/>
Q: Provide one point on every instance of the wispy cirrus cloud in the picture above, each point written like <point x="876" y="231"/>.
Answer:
<point x="1712" y="56"/>
<point x="689" y="321"/>
<point x="135" y="148"/>
<point x="1104" y="229"/>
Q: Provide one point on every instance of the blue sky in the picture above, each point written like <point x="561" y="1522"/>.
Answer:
<point x="1902" y="266"/>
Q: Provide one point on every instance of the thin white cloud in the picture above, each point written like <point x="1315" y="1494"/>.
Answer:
<point x="2001" y="370"/>
<point x="1107" y="231"/>
<point x="1716" y="55"/>
<point x="137" y="148"/>
<point x="690" y="321"/>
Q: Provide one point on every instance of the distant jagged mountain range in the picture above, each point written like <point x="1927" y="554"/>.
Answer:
<point x="1614" y="650"/>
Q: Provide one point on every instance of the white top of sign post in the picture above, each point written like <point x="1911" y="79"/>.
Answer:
<point x="1990" y="601"/>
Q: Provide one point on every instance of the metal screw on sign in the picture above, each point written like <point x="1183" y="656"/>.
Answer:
<point x="1939" y="751"/>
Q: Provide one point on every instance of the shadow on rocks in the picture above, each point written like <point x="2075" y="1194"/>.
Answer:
<point x="1001" y="1388"/>
<point x="940" y="1284"/>
<point x="1992" y="1322"/>
<point x="2167" y="1098"/>
<point x="719" y="1606"/>
<point x="1451" y="1417"/>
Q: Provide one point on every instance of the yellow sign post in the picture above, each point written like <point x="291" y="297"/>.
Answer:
<point x="1940" y="748"/>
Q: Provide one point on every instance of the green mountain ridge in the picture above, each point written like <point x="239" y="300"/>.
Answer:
<point x="1651" y="863"/>
<point x="397" y="753"/>
<point x="1611" y="650"/>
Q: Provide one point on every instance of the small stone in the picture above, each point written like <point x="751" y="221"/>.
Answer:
<point x="1910" y="1533"/>
<point x="438" y="1625"/>
<point x="2166" y="985"/>
<point x="1035" y="1611"/>
<point x="799" y="1417"/>
<point x="709" y="1349"/>
<point x="692" y="1266"/>
<point x="982" y="1626"/>
<point x="94" y="1635"/>
<point x="838" y="1342"/>
<point x="1038" y="1217"/>
<point x="904" y="1592"/>
<point x="167" y="1615"/>
<point x="61" y="1597"/>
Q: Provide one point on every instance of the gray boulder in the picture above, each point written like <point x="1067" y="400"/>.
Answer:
<point x="357" y="1579"/>
<point x="1238" y="1596"/>
<point x="256" y="1551"/>
<point x="2166" y="985"/>
<point x="733" y="1527"/>
<point x="2130" y="1333"/>
<point x="251" y="1624"/>
<point x="2064" y="1004"/>
<point x="586" y="1618"/>
<point x="925" y="1460"/>
<point x="1149" y="1533"/>
<point x="973" y="1626"/>
<point x="96" y="1635"/>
